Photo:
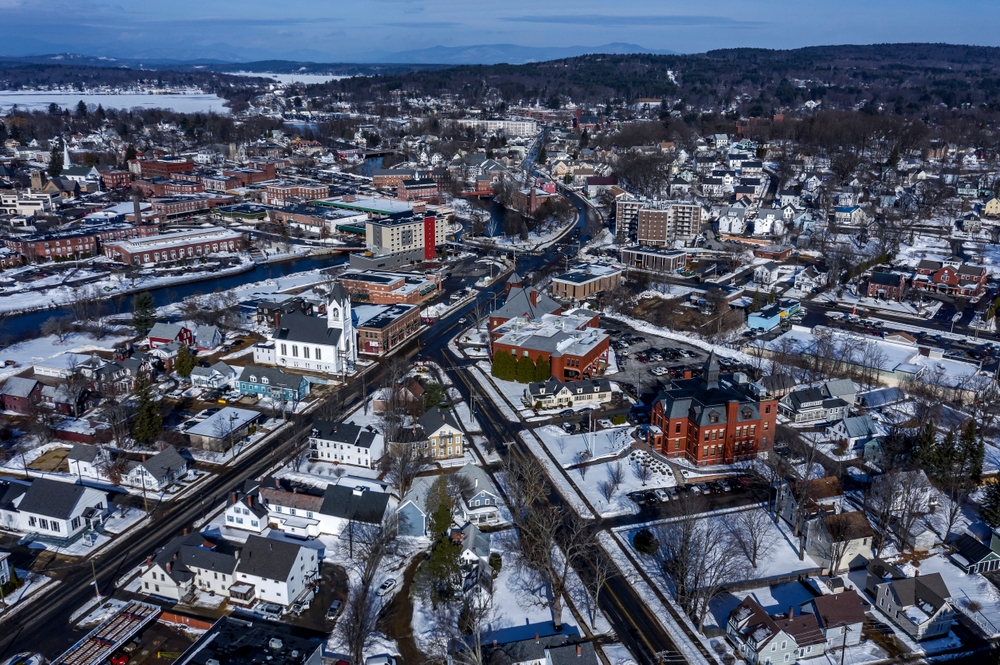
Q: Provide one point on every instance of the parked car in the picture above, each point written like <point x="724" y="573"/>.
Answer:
<point x="131" y="647"/>
<point x="638" y="498"/>
<point x="381" y="660"/>
<point x="386" y="587"/>
<point x="297" y="607"/>
<point x="269" y="610"/>
<point x="566" y="413"/>
<point x="119" y="658"/>
<point x="335" y="609"/>
<point x="661" y="495"/>
<point x="568" y="428"/>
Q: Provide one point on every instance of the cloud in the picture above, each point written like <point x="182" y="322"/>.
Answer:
<point x="678" y="20"/>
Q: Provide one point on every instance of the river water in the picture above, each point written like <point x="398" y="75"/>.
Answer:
<point x="26" y="325"/>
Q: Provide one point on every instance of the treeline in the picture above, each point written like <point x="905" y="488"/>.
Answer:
<point x="904" y="78"/>
<point x="522" y="370"/>
<point x="137" y="126"/>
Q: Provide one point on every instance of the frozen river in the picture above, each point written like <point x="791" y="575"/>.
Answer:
<point x="188" y="102"/>
<point x="294" y="77"/>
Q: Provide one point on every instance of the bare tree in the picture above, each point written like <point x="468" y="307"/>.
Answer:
<point x="461" y="630"/>
<point x="607" y="489"/>
<point x="369" y="545"/>
<point x="401" y="463"/>
<point x="602" y="568"/>
<point x="698" y="559"/>
<point x="616" y="474"/>
<point x="118" y="413"/>
<point x="842" y="529"/>
<point x="753" y="532"/>
<point x="59" y="327"/>
<point x="642" y="472"/>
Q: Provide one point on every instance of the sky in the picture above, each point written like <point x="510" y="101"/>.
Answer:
<point x="371" y="30"/>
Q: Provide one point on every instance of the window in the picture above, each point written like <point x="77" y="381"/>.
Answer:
<point x="157" y="586"/>
<point x="309" y="513"/>
<point x="284" y="350"/>
<point x="706" y="435"/>
<point x="43" y="523"/>
<point x="55" y="526"/>
<point x="75" y="524"/>
<point x="254" y="523"/>
<point x="318" y="356"/>
<point x="767" y="409"/>
<point x="32" y="521"/>
<point x="295" y="350"/>
<point x="239" y="520"/>
<point x="230" y="518"/>
<point x="291" y="511"/>
<point x="305" y="352"/>
<point x="145" y="585"/>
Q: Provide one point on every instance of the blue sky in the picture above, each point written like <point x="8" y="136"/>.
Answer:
<point x="358" y="30"/>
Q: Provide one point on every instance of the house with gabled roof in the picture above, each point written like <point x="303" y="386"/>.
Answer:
<point x="20" y="395"/>
<point x="185" y="564"/>
<point x="481" y="505"/>
<point x="345" y="443"/>
<point x="765" y="639"/>
<point x="53" y="511"/>
<point x="165" y="333"/>
<point x="273" y="571"/>
<point x="920" y="605"/>
<point x="308" y="512"/>
<point x="839" y="541"/>
<point x="841" y="617"/>
<point x="216" y="376"/>
<point x="244" y="509"/>
<point x="442" y="437"/>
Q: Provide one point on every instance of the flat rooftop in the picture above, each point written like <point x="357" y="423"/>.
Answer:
<point x="375" y="205"/>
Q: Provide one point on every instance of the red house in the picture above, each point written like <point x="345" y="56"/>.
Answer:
<point x="164" y="333"/>
<point x="20" y="395"/>
<point x="952" y="277"/>
<point x="712" y="420"/>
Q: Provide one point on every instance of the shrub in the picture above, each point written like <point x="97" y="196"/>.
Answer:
<point x="496" y="563"/>
<point x="618" y="419"/>
<point x="645" y="542"/>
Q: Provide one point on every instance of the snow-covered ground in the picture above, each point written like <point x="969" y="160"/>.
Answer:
<point x="966" y="589"/>
<point x="31" y="351"/>
<point x="555" y="474"/>
<point x="570" y="449"/>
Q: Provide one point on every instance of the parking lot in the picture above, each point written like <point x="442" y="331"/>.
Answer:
<point x="708" y="495"/>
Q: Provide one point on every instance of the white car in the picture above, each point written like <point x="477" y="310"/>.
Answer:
<point x="662" y="495"/>
<point x="386" y="587"/>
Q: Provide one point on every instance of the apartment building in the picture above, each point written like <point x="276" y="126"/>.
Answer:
<point x="660" y="223"/>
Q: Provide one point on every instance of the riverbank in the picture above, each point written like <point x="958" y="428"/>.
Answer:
<point x="11" y="304"/>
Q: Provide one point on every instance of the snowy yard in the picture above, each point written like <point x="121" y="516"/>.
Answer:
<point x="967" y="592"/>
<point x="570" y="449"/>
<point x="31" y="351"/>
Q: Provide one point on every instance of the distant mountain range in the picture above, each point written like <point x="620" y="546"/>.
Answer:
<point x="373" y="63"/>
<point x="492" y="54"/>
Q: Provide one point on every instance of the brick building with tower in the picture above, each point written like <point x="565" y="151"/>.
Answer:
<point x="715" y="419"/>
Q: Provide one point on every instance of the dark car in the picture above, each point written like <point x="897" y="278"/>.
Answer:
<point x="566" y="413"/>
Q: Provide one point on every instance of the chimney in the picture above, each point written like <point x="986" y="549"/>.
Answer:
<point x="137" y="208"/>
<point x="250" y="500"/>
<point x="232" y="498"/>
<point x="149" y="562"/>
<point x="536" y="636"/>
<point x="916" y="573"/>
<point x="170" y="566"/>
<point x="495" y="643"/>
<point x="791" y="611"/>
<point x="533" y="297"/>
<point x="579" y="650"/>
<point x="277" y="483"/>
<point x="186" y="531"/>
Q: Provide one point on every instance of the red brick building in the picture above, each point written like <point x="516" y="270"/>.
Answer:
<point x="74" y="245"/>
<point x="280" y="193"/>
<point x="251" y="176"/>
<point x="221" y="183"/>
<point x="388" y="288"/>
<point x="116" y="179"/>
<point x="712" y="420"/>
<point x="388" y="329"/>
<point x="162" y="168"/>
<point x="886" y="285"/>
<point x="415" y="189"/>
<point x="952" y="277"/>
<point x="390" y="178"/>
<point x="179" y="246"/>
<point x="575" y="348"/>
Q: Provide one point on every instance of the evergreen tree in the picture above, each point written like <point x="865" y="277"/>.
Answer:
<point x="542" y="369"/>
<point x="923" y="448"/>
<point x="584" y="139"/>
<point x="186" y="361"/>
<point x="147" y="418"/>
<point x="504" y="366"/>
<point x="439" y="505"/>
<point x="971" y="452"/>
<point x="525" y="370"/>
<point x="143" y="312"/>
<point x="130" y="153"/>
<point x="55" y="161"/>
<point x="81" y="109"/>
<point x="991" y="504"/>
<point x="543" y="156"/>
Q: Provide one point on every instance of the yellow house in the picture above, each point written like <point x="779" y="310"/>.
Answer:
<point x="443" y="438"/>
<point x="992" y="207"/>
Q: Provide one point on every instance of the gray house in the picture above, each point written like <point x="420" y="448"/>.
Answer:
<point x="412" y="510"/>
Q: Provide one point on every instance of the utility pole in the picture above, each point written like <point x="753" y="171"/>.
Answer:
<point x="93" y="570"/>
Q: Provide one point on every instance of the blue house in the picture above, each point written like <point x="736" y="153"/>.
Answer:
<point x="414" y="517"/>
<point x="770" y="317"/>
<point x="272" y="382"/>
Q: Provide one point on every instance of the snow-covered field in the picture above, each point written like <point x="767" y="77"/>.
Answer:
<point x="569" y="448"/>
<point x="31" y="351"/>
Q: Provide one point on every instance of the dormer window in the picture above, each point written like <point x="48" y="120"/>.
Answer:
<point x="253" y="379"/>
<point x="264" y="381"/>
<point x="713" y="417"/>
